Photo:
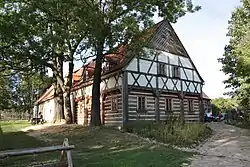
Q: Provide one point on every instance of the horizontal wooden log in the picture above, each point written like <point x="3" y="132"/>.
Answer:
<point x="113" y="122"/>
<point x="132" y="105"/>
<point x="113" y="119"/>
<point x="142" y="116"/>
<point x="141" y="113"/>
<point x="112" y="114"/>
<point x="140" y="93"/>
<point x="110" y="111"/>
<point x="29" y="151"/>
<point x="146" y="119"/>
<point x="191" y="116"/>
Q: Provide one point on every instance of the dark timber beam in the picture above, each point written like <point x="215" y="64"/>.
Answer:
<point x="157" y="92"/>
<point x="201" y="107"/>
<point x="125" y="98"/>
<point x="157" y="108"/>
<point x="181" y="96"/>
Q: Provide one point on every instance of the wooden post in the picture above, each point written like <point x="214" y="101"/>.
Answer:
<point x="182" y="112"/>
<point x="125" y="98"/>
<point x="157" y="108"/>
<point x="201" y="108"/>
<point x="72" y="103"/>
<point x="157" y="92"/>
<point x="68" y="152"/>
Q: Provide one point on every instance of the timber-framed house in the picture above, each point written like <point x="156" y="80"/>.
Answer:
<point x="143" y="87"/>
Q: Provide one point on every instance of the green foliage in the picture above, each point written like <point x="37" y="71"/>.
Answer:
<point x="38" y="34"/>
<point x="5" y="90"/>
<point x="220" y="105"/>
<point x="170" y="132"/>
<point x="236" y="59"/>
<point x="19" y="92"/>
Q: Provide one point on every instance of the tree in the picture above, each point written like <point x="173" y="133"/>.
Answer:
<point x="5" y="91"/>
<point x="42" y="34"/>
<point x="220" y="105"/>
<point x="51" y="31"/>
<point x="236" y="59"/>
<point x="111" y="23"/>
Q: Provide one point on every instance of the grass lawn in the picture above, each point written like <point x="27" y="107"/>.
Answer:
<point x="94" y="147"/>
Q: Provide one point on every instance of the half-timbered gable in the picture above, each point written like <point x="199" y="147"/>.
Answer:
<point x="164" y="74"/>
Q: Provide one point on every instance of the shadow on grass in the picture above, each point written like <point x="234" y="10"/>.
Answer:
<point x="94" y="147"/>
<point x="20" y="140"/>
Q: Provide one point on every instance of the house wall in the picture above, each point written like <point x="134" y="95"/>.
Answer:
<point x="83" y="107"/>
<point x="144" y="72"/>
<point x="112" y="117"/>
<point x="150" y="114"/>
<point x="47" y="110"/>
<point x="133" y="113"/>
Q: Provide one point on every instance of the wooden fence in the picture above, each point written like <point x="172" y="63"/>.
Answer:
<point x="6" y="116"/>
<point x="65" y="149"/>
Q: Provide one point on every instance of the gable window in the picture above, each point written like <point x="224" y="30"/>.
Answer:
<point x="141" y="104"/>
<point x="190" y="105"/>
<point x="162" y="69"/>
<point x="176" y="72"/>
<point x="114" y="104"/>
<point x="168" y="103"/>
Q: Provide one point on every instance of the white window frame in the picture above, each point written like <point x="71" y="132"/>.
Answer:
<point x="114" y="103"/>
<point x="145" y="104"/>
<point x="176" y="72"/>
<point x="167" y="104"/>
<point x="190" y="107"/>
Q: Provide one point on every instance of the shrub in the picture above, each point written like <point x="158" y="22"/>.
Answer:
<point x="171" y="131"/>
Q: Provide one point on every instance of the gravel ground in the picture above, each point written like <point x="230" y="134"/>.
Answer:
<point x="229" y="147"/>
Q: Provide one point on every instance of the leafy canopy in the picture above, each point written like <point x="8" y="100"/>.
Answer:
<point x="236" y="58"/>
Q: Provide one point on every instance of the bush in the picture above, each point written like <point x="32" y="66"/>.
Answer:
<point x="171" y="131"/>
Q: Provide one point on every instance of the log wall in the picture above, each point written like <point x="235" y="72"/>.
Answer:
<point x="150" y="112"/>
<point x="133" y="114"/>
<point x="112" y="117"/>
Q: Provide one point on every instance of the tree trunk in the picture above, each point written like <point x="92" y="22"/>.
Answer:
<point x="66" y="93"/>
<point x="95" y="106"/>
<point x="58" y="93"/>
<point x="67" y="106"/>
<point x="58" y="107"/>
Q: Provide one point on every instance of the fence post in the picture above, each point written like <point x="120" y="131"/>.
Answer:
<point x="68" y="152"/>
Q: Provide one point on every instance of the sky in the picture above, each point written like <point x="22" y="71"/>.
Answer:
<point x="203" y="35"/>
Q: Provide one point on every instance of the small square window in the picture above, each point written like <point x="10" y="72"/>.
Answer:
<point x="141" y="104"/>
<point x="190" y="105"/>
<point x="114" y="104"/>
<point x="162" y="69"/>
<point x="176" y="72"/>
<point x="168" y="103"/>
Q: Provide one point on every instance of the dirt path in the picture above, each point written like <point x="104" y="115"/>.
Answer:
<point x="229" y="147"/>
<point x="37" y="130"/>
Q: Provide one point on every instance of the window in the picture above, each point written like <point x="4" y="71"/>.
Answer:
<point x="168" y="104"/>
<point x="162" y="69"/>
<point x="176" y="72"/>
<point x="141" y="104"/>
<point x="190" y="105"/>
<point x="114" y="104"/>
